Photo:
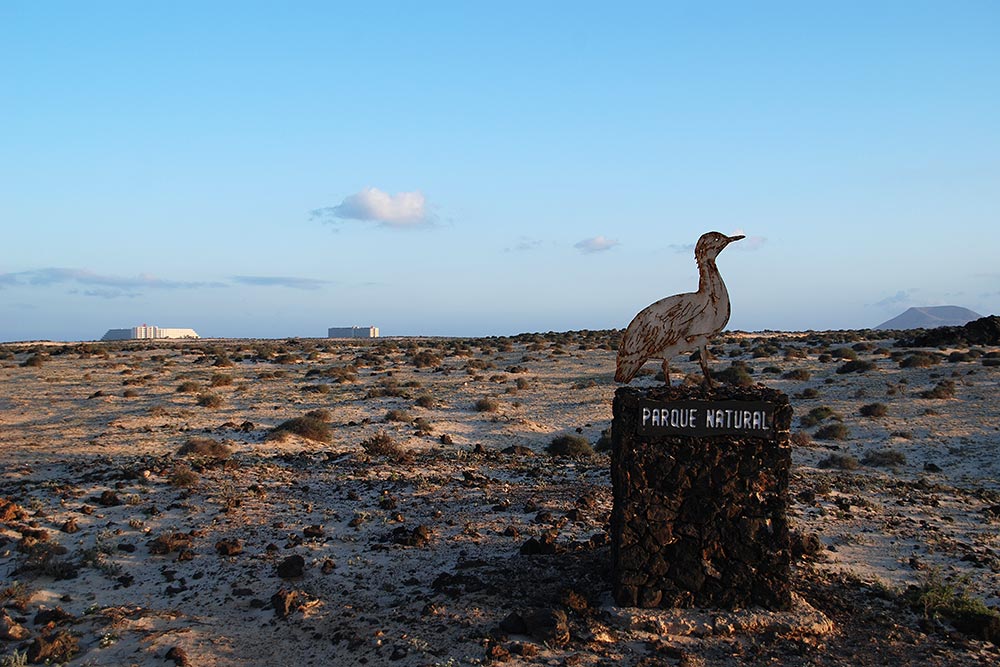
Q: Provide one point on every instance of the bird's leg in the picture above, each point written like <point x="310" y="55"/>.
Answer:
<point x="666" y="372"/>
<point x="703" y="360"/>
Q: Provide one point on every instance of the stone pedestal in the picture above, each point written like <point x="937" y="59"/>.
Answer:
<point x="699" y="517"/>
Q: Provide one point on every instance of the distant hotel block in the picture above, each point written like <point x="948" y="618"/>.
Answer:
<point x="352" y="332"/>
<point x="147" y="332"/>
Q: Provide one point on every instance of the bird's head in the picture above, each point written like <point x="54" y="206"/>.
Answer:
<point x="711" y="244"/>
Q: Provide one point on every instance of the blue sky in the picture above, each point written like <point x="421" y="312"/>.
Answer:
<point x="467" y="168"/>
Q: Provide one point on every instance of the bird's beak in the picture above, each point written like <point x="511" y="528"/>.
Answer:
<point x="736" y="238"/>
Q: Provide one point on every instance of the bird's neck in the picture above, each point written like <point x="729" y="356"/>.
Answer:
<point x="709" y="278"/>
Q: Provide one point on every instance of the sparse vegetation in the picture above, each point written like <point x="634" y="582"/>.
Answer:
<point x="834" y="431"/>
<point x="943" y="389"/>
<point x="919" y="360"/>
<point x="839" y="461"/>
<point x="209" y="400"/>
<point x="188" y="387"/>
<point x="309" y="428"/>
<point x="383" y="444"/>
<point x="817" y="415"/>
<point x="874" y="410"/>
<point x="570" y="445"/>
<point x="398" y="416"/>
<point x="487" y="404"/>
<point x="797" y="374"/>
<point x="884" y="458"/>
<point x="182" y="476"/>
<point x="205" y="447"/>
<point x="856" y="366"/>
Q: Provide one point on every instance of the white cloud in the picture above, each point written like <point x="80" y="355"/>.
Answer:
<point x="401" y="210"/>
<point x="281" y="281"/>
<point x="596" y="244"/>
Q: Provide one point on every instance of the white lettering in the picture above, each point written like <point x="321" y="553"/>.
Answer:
<point x="645" y="416"/>
<point x="758" y="416"/>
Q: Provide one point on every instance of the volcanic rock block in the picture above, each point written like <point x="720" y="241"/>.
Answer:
<point x="700" y="520"/>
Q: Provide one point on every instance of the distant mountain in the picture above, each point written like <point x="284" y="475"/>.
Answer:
<point x="929" y="317"/>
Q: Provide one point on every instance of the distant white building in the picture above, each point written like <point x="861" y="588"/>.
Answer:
<point x="352" y="332"/>
<point x="149" y="332"/>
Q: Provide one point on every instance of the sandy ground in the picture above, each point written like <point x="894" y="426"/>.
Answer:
<point x="297" y="551"/>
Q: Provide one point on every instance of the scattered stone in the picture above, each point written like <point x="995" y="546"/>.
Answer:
<point x="446" y="439"/>
<point x="418" y="537"/>
<point x="285" y="602"/>
<point x="164" y="544"/>
<point x="11" y="630"/>
<point x="398" y="653"/>
<point x="328" y="566"/>
<point x="54" y="648"/>
<point x="11" y="511"/>
<point x="109" y="499"/>
<point x="126" y="547"/>
<point x="70" y="526"/>
<point x="514" y="624"/>
<point x="292" y="567"/>
<point x="53" y="616"/>
<point x="517" y="450"/>
<point x="805" y="544"/>
<point x="229" y="547"/>
<point x="313" y="531"/>
<point x="179" y="656"/>
<point x="545" y="546"/>
<point x="524" y="649"/>
<point x="548" y="626"/>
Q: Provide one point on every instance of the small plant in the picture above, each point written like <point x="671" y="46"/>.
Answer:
<point x="943" y="389"/>
<point x="884" y="458"/>
<point x="487" y="405"/>
<point x="321" y="414"/>
<point x="425" y="401"/>
<point x="205" y="447"/>
<point x="817" y="415"/>
<point x="839" y="461"/>
<point x="936" y="597"/>
<point x="856" y="366"/>
<point x="188" y="387"/>
<point x="425" y="359"/>
<point x="802" y="439"/>
<point x="316" y="389"/>
<point x="309" y="428"/>
<point x="919" y="360"/>
<point x="737" y="374"/>
<point x="209" y="400"/>
<point x="808" y="393"/>
<point x="220" y="380"/>
<point x="874" y="410"/>
<point x="832" y="432"/>
<point x="34" y="361"/>
<point x="798" y="374"/>
<point x="183" y="476"/>
<point x="383" y="444"/>
<point x="398" y="416"/>
<point x="570" y="445"/>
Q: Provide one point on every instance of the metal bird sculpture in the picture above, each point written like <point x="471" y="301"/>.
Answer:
<point x="681" y="322"/>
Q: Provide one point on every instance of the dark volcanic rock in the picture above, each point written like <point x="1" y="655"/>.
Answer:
<point x="292" y="567"/>
<point x="54" y="616"/>
<point x="53" y="648"/>
<point x="229" y="547"/>
<point x="700" y="521"/>
<point x="164" y="544"/>
<point x="980" y="626"/>
<point x="418" y="537"/>
<point x="285" y="602"/>
<point x="109" y="499"/>
<point x="984" y="331"/>
<point x="548" y="626"/>
<point x="179" y="656"/>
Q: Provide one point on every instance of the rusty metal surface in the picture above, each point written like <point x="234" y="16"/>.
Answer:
<point x="682" y="322"/>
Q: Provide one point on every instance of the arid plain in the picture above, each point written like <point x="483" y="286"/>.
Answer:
<point x="319" y="502"/>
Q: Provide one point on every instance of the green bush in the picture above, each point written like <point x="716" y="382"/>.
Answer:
<point x="737" y="374"/>
<point x="570" y="445"/>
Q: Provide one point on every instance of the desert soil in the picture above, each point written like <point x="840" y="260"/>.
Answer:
<point x="457" y="538"/>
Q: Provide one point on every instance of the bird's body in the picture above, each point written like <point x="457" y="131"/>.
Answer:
<point x="681" y="322"/>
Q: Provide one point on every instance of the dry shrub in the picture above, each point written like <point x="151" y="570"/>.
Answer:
<point x="839" y="461"/>
<point x="220" y="380"/>
<point x="943" y="389"/>
<point x="383" y="444"/>
<point x="398" y="416"/>
<point x="188" y="387"/>
<point x="309" y="428"/>
<point x="570" y="445"/>
<point x="209" y="400"/>
<point x="874" y="410"/>
<point x="832" y="432"/>
<point x="183" y="477"/>
<point x="487" y="405"/>
<point x="884" y="458"/>
<point x="206" y="447"/>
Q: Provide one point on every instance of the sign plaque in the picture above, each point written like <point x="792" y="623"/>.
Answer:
<point x="706" y="418"/>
